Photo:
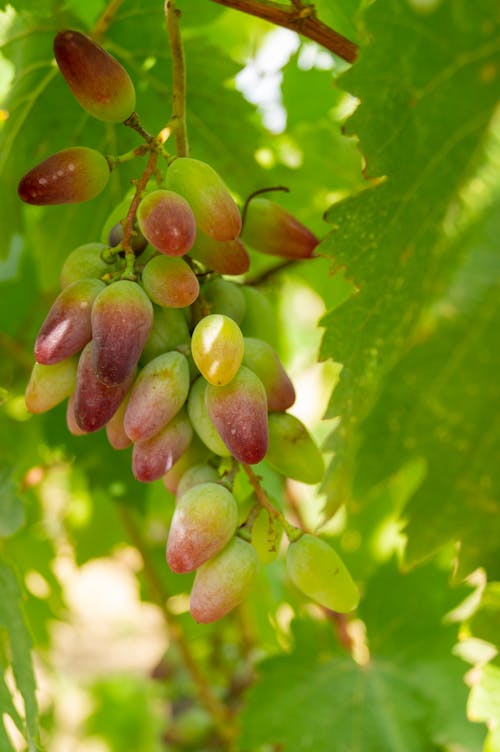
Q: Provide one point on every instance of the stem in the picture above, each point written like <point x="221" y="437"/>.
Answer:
<point x="127" y="157"/>
<point x="301" y="19"/>
<point x="259" y="192"/>
<point x="133" y="122"/>
<point x="104" y="21"/>
<point x="293" y="533"/>
<point x="128" y="225"/>
<point x="178" y="78"/>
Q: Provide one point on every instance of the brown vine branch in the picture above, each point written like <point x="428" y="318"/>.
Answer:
<point x="178" y="78"/>
<point x="105" y="19"/>
<point x="300" y="18"/>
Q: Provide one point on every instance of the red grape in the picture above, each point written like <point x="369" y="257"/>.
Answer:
<point x="166" y="220"/>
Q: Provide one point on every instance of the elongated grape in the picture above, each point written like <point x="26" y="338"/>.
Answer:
<point x="224" y="257"/>
<point x="263" y="360"/>
<point x="71" y="423"/>
<point x="217" y="215"/>
<point x="319" y="572"/>
<point x="95" y="402"/>
<point x="154" y="457"/>
<point x="196" y="474"/>
<point x="266" y="535"/>
<point x="67" y="329"/>
<point x="84" y="262"/>
<point x="217" y="348"/>
<point x="50" y="385"/>
<point x="158" y="394"/>
<point x="169" y="330"/>
<point x="239" y="412"/>
<point x="115" y="428"/>
<point x="292" y="450"/>
<point x="70" y="176"/>
<point x="204" y="520"/>
<point x="223" y="582"/>
<point x="224" y="296"/>
<point x="98" y="81"/>
<point x="200" y="420"/>
<point x="122" y="316"/>
<point x="260" y="317"/>
<point x="195" y="453"/>
<point x="170" y="282"/>
<point x="166" y="220"/>
<point x="273" y="230"/>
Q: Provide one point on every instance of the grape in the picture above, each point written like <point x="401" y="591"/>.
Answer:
<point x="138" y="243"/>
<point x="216" y="213"/>
<point x="169" y="330"/>
<point x="195" y="453"/>
<point x="260" y="317"/>
<point x="50" y="385"/>
<point x="200" y="420"/>
<point x="158" y="394"/>
<point x="154" y="457"/>
<point x="71" y="423"/>
<point x="223" y="296"/>
<point x="204" y="520"/>
<point x="319" y="572"/>
<point x="122" y="316"/>
<point x="223" y="582"/>
<point x="115" y="429"/>
<point x="239" y="412"/>
<point x="84" y="262"/>
<point x="70" y="176"/>
<point x="224" y="257"/>
<point x="66" y="329"/>
<point x="166" y="220"/>
<point x="98" y="81"/>
<point x="262" y="359"/>
<point x="292" y="450"/>
<point x="200" y="473"/>
<point x="95" y="402"/>
<point x="266" y="534"/>
<point x="217" y="348"/>
<point x="170" y="282"/>
<point x="271" y="229"/>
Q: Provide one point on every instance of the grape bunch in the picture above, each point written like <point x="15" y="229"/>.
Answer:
<point x="152" y="341"/>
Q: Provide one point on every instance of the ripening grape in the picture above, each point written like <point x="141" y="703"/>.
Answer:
<point x="200" y="420"/>
<point x="154" y="457"/>
<point x="170" y="282"/>
<point x="262" y="359"/>
<point x="71" y="423"/>
<point x="67" y="329"/>
<point x="122" y="316"/>
<point x="98" y="81"/>
<point x="115" y="428"/>
<point x="319" y="572"/>
<point x="223" y="582"/>
<point x="166" y="220"/>
<point x="84" y="262"/>
<point x="239" y="412"/>
<point x="273" y="230"/>
<point x="200" y="473"/>
<point x="224" y="257"/>
<point x="170" y="330"/>
<point x="196" y="452"/>
<point x="50" y="385"/>
<point x="260" y="317"/>
<point x="159" y="392"/>
<point x="204" y="520"/>
<point x="266" y="535"/>
<point x="70" y="176"/>
<point x="217" y="347"/>
<point x="217" y="215"/>
<point x="292" y="450"/>
<point x="224" y="296"/>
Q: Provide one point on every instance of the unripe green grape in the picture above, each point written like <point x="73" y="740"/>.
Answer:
<point x="204" y="520"/>
<point x="50" y="385"/>
<point x="84" y="262"/>
<point x="266" y="535"/>
<point x="217" y="347"/>
<point x="224" y="257"/>
<point x="98" y="81"/>
<point x="292" y="450"/>
<point x="115" y="428"/>
<point x="260" y="317"/>
<point x="273" y="230"/>
<point x="166" y="220"/>
<point x="196" y="452"/>
<point x="196" y="474"/>
<point x="239" y="412"/>
<point x="262" y="359"/>
<point x="67" y="328"/>
<point x="217" y="215"/>
<point x="223" y="582"/>
<point x="200" y="420"/>
<point x="319" y="572"/>
<point x="70" y="176"/>
<point x="159" y="392"/>
<point x="223" y="296"/>
<point x="169" y="330"/>
<point x="170" y="282"/>
<point x="154" y="457"/>
<point x="122" y="317"/>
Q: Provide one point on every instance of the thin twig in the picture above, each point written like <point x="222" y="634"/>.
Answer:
<point x="105" y="19"/>
<point x="172" y="15"/>
<point x="293" y="533"/>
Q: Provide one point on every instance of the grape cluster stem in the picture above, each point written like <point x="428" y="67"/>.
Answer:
<point x="293" y="533"/>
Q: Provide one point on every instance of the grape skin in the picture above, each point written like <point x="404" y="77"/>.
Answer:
<point x="217" y="348"/>
<point x="166" y="220"/>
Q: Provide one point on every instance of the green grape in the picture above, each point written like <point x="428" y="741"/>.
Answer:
<point x="217" y="348"/>
<point x="84" y="262"/>
<point x="239" y="412"/>
<point x="223" y="296"/>
<point x="260" y="317"/>
<point x="271" y="229"/>
<point x="115" y="427"/>
<point x="70" y="176"/>
<point x="204" y="520"/>
<point x="201" y="421"/>
<point x="224" y="257"/>
<point x="154" y="457"/>
<point x="200" y="473"/>
<point x="50" y="385"/>
<point x="158" y="394"/>
<point x="196" y="452"/>
<point x="170" y="282"/>
<point x="217" y="215"/>
<point x="292" y="450"/>
<point x="98" y="81"/>
<point x="223" y="582"/>
<point x="166" y="220"/>
<point x="266" y="535"/>
<point x="169" y="331"/>
<point x="262" y="359"/>
<point x="319" y="572"/>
